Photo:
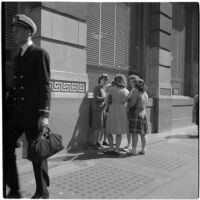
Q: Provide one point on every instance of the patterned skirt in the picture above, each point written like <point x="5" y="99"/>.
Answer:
<point x="138" y="124"/>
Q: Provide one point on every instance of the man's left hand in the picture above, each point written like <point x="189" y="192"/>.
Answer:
<point x="43" y="122"/>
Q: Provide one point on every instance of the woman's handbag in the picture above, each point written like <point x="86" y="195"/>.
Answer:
<point x="45" y="146"/>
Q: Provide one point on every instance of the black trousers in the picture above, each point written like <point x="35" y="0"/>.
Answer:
<point x="10" y="175"/>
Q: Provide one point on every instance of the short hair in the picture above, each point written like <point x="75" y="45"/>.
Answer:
<point x="103" y="76"/>
<point x="120" y="80"/>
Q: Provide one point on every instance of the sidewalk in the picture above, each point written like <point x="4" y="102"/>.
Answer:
<point x="168" y="170"/>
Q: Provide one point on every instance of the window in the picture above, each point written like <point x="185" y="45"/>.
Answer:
<point x="178" y="48"/>
<point x="108" y="34"/>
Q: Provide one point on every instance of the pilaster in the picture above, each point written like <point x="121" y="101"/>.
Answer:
<point x="160" y="69"/>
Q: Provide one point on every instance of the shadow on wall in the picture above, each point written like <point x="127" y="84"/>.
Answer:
<point x="80" y="136"/>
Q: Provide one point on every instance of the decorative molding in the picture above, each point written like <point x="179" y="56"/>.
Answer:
<point x="63" y="86"/>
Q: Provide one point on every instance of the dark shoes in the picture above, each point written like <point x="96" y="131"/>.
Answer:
<point x="93" y="147"/>
<point x="13" y="195"/>
<point x="99" y="145"/>
<point x="112" y="152"/>
<point x="105" y="143"/>
<point x="96" y="146"/>
<point x="132" y="153"/>
<point x="41" y="196"/>
<point x="141" y="152"/>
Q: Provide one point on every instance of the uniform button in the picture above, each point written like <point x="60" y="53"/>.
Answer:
<point x="14" y="99"/>
<point x="22" y="88"/>
<point x="15" y="77"/>
<point x="22" y="99"/>
<point x="21" y="77"/>
<point x="14" y="88"/>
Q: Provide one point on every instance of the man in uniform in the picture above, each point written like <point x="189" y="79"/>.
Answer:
<point x="30" y="99"/>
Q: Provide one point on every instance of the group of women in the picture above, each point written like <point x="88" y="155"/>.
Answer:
<point x="117" y="111"/>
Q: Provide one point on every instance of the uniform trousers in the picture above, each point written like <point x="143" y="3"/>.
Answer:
<point x="10" y="175"/>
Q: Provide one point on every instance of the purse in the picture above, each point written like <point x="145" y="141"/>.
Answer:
<point x="45" y="146"/>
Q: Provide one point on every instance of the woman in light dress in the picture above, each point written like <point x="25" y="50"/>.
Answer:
<point x="117" y="120"/>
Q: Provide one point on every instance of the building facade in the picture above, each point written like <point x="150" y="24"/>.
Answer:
<point x="157" y="41"/>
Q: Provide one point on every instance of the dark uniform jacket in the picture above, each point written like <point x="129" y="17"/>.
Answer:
<point x="98" y="98"/>
<point x="30" y="95"/>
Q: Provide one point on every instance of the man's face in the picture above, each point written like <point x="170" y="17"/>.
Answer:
<point x="20" y="34"/>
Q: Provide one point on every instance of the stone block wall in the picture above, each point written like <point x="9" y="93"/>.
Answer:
<point x="62" y="32"/>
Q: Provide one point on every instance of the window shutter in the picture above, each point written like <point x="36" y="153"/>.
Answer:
<point x="122" y="29"/>
<point x="93" y="27"/>
<point x="134" y="38"/>
<point x="107" y="33"/>
<point x="10" y="11"/>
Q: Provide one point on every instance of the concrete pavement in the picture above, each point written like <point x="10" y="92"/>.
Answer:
<point x="168" y="170"/>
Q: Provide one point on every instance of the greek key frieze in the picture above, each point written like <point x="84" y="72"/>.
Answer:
<point x="67" y="86"/>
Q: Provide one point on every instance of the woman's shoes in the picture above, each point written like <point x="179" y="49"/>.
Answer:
<point x="127" y="148"/>
<point x="141" y="152"/>
<point x="95" y="146"/>
<point x="105" y="143"/>
<point x="116" y="153"/>
<point x="132" y="153"/>
<point x="113" y="152"/>
<point x="99" y="145"/>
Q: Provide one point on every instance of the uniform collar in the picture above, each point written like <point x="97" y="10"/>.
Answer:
<point x="25" y="47"/>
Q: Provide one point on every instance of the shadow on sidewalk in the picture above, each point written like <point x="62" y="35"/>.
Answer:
<point x="87" y="154"/>
<point x="183" y="137"/>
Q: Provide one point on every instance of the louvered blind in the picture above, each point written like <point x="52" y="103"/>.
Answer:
<point x="122" y="29"/>
<point x="107" y="33"/>
<point x="10" y="10"/>
<point x="134" y="38"/>
<point x="108" y="41"/>
<point x="93" y="28"/>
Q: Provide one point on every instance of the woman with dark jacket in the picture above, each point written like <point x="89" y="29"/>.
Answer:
<point x="98" y="110"/>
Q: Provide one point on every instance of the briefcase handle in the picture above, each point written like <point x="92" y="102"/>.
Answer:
<point x="44" y="132"/>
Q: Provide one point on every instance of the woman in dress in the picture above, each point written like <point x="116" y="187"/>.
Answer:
<point x="98" y="110"/>
<point x="138" y="118"/>
<point x="117" y="121"/>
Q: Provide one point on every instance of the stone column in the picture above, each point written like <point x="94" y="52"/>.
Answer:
<point x="160" y="67"/>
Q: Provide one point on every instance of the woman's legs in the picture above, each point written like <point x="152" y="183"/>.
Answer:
<point x="134" y="141"/>
<point x="110" y="140"/>
<point x="104" y="137"/>
<point x="143" y="141"/>
<point x="118" y="141"/>
<point x="129" y="140"/>
<point x="96" y="136"/>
